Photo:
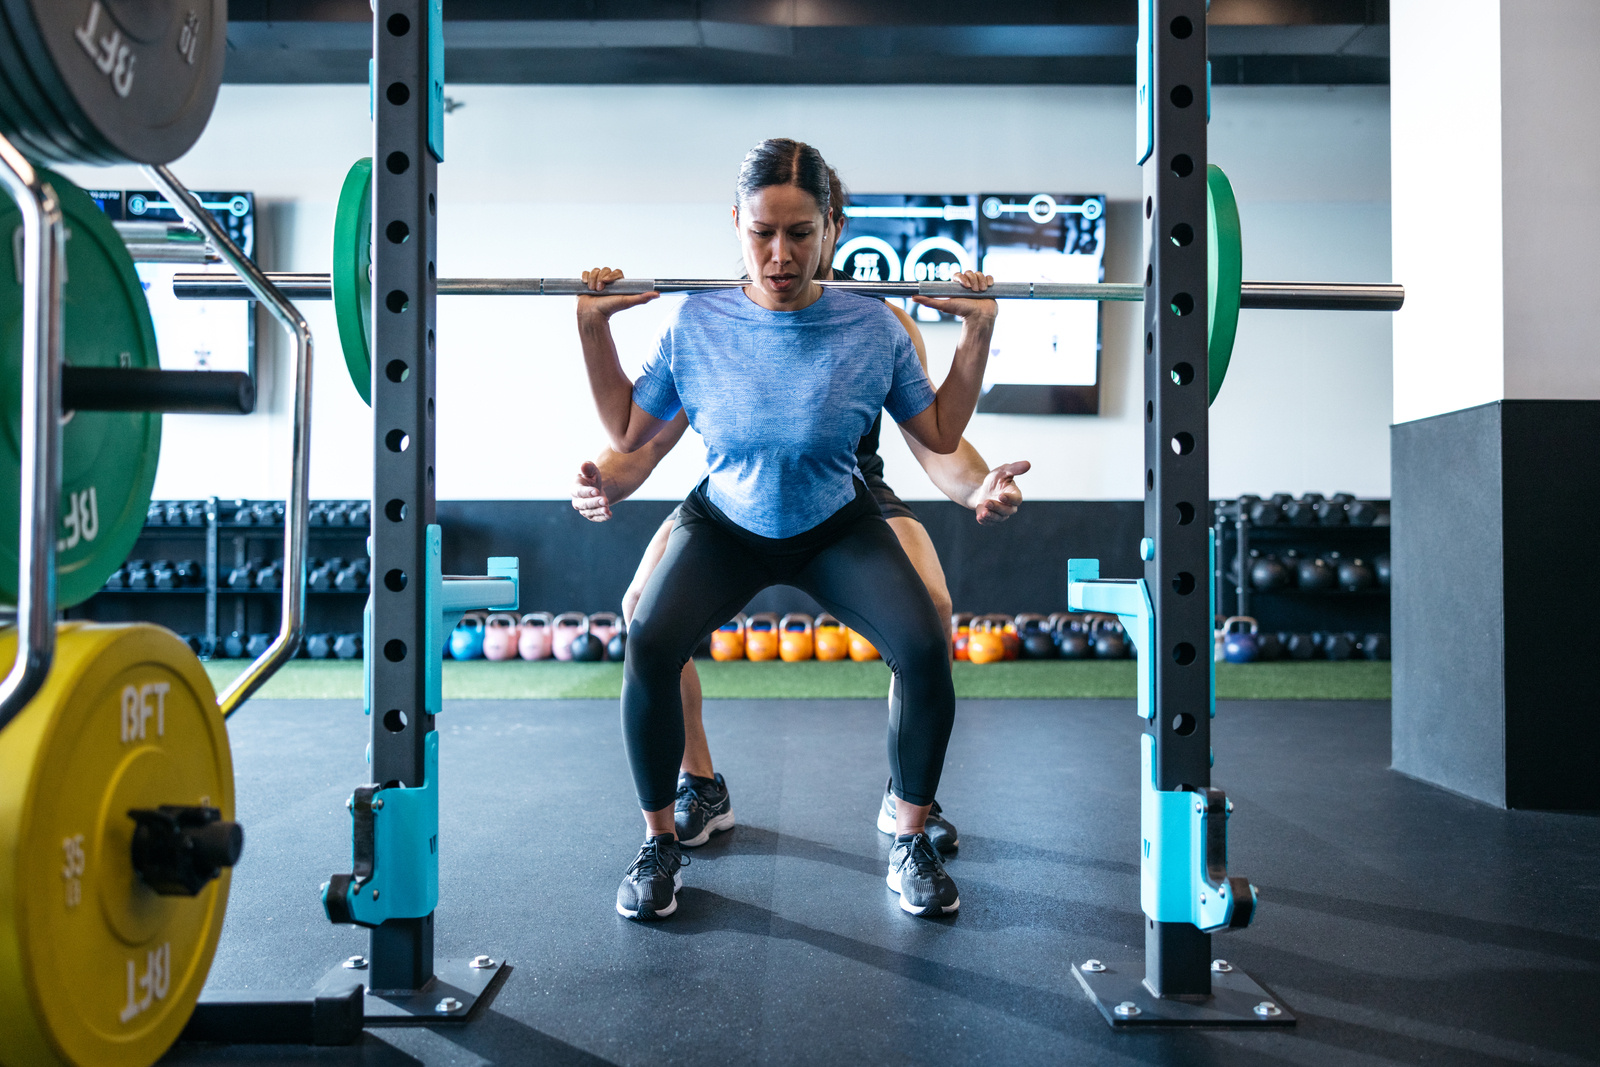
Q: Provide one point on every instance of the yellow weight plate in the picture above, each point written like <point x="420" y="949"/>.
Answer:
<point x="95" y="967"/>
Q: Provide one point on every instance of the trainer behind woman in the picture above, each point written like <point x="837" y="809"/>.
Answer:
<point x="782" y="378"/>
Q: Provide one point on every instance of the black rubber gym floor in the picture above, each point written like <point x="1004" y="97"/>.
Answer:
<point x="1401" y="923"/>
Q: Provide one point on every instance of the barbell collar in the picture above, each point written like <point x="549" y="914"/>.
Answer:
<point x="1282" y="296"/>
<point x="185" y="392"/>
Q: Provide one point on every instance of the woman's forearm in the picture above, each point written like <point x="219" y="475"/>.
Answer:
<point x="957" y="396"/>
<point x="612" y="390"/>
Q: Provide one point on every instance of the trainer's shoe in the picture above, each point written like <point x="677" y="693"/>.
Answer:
<point x="703" y="808"/>
<point x="650" y="888"/>
<point x="917" y="873"/>
<point x="939" y="829"/>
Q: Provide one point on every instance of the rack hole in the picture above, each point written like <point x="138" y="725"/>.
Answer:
<point x="396" y="301"/>
<point x="397" y="440"/>
<point x="397" y="162"/>
<point x="395" y="510"/>
<point x="1149" y="411"/>
<point x="1149" y="343"/>
<point x="431" y="275"/>
<point x="1150" y="479"/>
<point x="1182" y="374"/>
<point x="397" y="93"/>
<point x="1182" y="304"/>
<point x="430" y="340"/>
<point x="1149" y="205"/>
<point x="1149" y="275"/>
<point x="395" y="580"/>
<point x="394" y="650"/>
<point x="1182" y="165"/>
<point x="397" y="232"/>
<point x="399" y="25"/>
<point x="397" y="371"/>
<point x="1183" y="724"/>
<point x="1182" y="27"/>
<point x="1185" y="513"/>
<point x="1182" y="96"/>
<point x="1183" y="653"/>
<point x="430" y="203"/>
<point x="1182" y="443"/>
<point x="1182" y="234"/>
<point x="394" y="720"/>
<point x="1183" y="583"/>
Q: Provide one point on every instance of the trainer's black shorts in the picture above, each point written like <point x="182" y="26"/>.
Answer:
<point x="888" y="502"/>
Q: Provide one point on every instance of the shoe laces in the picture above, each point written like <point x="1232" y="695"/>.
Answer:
<point x="921" y="858"/>
<point x="688" y="798"/>
<point x="653" y="857"/>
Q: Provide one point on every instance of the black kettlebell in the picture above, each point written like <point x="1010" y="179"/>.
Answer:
<point x="1110" y="640"/>
<point x="1381" y="566"/>
<point x="1375" y="646"/>
<point x="1268" y="572"/>
<point x="1338" y="646"/>
<point x="617" y="647"/>
<point x="1072" y="642"/>
<point x="1315" y="574"/>
<point x="587" y="648"/>
<point x="1038" y="645"/>
<point x="1298" y="646"/>
<point x="1268" y="647"/>
<point x="1355" y="576"/>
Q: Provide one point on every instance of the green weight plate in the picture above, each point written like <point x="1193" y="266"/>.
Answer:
<point x="352" y="274"/>
<point x="1224" y="274"/>
<point x="108" y="460"/>
<point x="132" y="81"/>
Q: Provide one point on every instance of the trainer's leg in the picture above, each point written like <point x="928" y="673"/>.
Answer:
<point x="918" y="546"/>
<point x="704" y="576"/>
<point x="696" y="750"/>
<point x="866" y="579"/>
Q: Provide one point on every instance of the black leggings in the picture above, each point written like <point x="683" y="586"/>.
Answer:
<point x="853" y="564"/>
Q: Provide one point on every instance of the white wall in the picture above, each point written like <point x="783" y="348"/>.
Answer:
<point x="550" y="180"/>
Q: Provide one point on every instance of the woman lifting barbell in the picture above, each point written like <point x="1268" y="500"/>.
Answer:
<point x="781" y="379"/>
<point x="703" y="805"/>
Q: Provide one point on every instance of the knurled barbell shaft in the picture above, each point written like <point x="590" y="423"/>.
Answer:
<point x="1283" y="296"/>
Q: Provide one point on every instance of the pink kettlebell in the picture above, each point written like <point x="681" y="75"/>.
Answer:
<point x="500" y="637"/>
<point x="566" y="627"/>
<point x="604" y="625"/>
<point x="533" y="636"/>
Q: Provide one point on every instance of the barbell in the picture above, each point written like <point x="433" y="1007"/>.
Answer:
<point x="349" y="284"/>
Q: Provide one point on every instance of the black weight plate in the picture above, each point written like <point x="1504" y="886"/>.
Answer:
<point x="139" y="76"/>
<point x="34" y="126"/>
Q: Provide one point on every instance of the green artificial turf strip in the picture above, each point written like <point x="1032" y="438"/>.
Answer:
<point x="549" y="679"/>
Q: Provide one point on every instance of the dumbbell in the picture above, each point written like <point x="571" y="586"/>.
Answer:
<point x="155" y="514"/>
<point x="318" y="514"/>
<point x="1302" y="512"/>
<point x="347" y="646"/>
<point x="360" y="513"/>
<point x="1334" y="510"/>
<point x="1317" y="574"/>
<point x="338" y="514"/>
<point x="1362" y="512"/>
<point x="138" y="574"/>
<point x="190" y="573"/>
<point x="257" y="644"/>
<point x="322" y="577"/>
<point x="270" y="576"/>
<point x="233" y="645"/>
<point x="1266" y="512"/>
<point x="194" y="513"/>
<point x="1375" y="646"/>
<point x="174" y="513"/>
<point x="353" y="578"/>
<point x="163" y="575"/>
<point x="118" y="579"/>
<point x="243" y="576"/>
<point x="319" y="646"/>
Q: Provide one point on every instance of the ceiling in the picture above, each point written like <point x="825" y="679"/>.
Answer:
<point x="826" y="42"/>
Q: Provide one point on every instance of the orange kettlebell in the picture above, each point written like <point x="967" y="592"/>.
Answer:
<point x="727" y="640"/>
<point x="985" y="641"/>
<point x="761" y="637"/>
<point x="830" y="638"/>
<point x="960" y="631"/>
<point x="1010" y="638"/>
<point x="861" y="649"/>
<point x="796" y="638"/>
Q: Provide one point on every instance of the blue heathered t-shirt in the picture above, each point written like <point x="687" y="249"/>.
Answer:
<point x="782" y="398"/>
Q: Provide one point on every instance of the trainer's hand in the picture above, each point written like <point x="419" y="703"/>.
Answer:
<point x="964" y="307"/>
<point x="589" y="494"/>
<point x="606" y="306"/>
<point x="999" y="497"/>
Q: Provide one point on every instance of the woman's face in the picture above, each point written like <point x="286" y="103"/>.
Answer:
<point x="784" y="236"/>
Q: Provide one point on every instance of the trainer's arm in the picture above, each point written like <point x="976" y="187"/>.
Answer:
<point x="963" y="476"/>
<point x="627" y="425"/>
<point x="614" y="476"/>
<point x="939" y="426"/>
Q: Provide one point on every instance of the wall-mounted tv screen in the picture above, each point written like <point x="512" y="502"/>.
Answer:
<point x="190" y="334"/>
<point x="1045" y="357"/>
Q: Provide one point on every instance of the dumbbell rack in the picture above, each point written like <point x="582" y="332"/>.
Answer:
<point x="1292" y="608"/>
<point x="248" y="606"/>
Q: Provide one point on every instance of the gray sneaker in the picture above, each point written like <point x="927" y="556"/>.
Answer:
<point x="939" y="829"/>
<point x="703" y="808"/>
<point x="917" y="873"/>
<point x="650" y="888"/>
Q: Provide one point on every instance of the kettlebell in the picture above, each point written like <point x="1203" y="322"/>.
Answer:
<point x="1239" y="644"/>
<point x="233" y="645"/>
<point x="1268" y="647"/>
<point x="1072" y="642"/>
<point x="1268" y="573"/>
<point x="796" y="638"/>
<point x="1037" y="643"/>
<point x="1299" y="646"/>
<point x="761" y="637"/>
<point x="960" y="631"/>
<point x="1381" y="566"/>
<point x="1375" y="646"/>
<point x="500" y="637"/>
<point x="830" y="637"/>
<point x="1338" y="646"/>
<point x="1315" y="574"/>
<point x="466" y="640"/>
<point x="984" y="641"/>
<point x="1110" y="639"/>
<point x="604" y="625"/>
<point x="1010" y="640"/>
<point x="727" y="641"/>
<point x="567" y="626"/>
<point x="533" y="635"/>
<point x="617" y="647"/>
<point x="861" y="650"/>
<point x="586" y="647"/>
<point x="1355" y="576"/>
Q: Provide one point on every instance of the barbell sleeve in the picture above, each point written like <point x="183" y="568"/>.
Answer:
<point x="188" y="392"/>
<point x="1282" y="296"/>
